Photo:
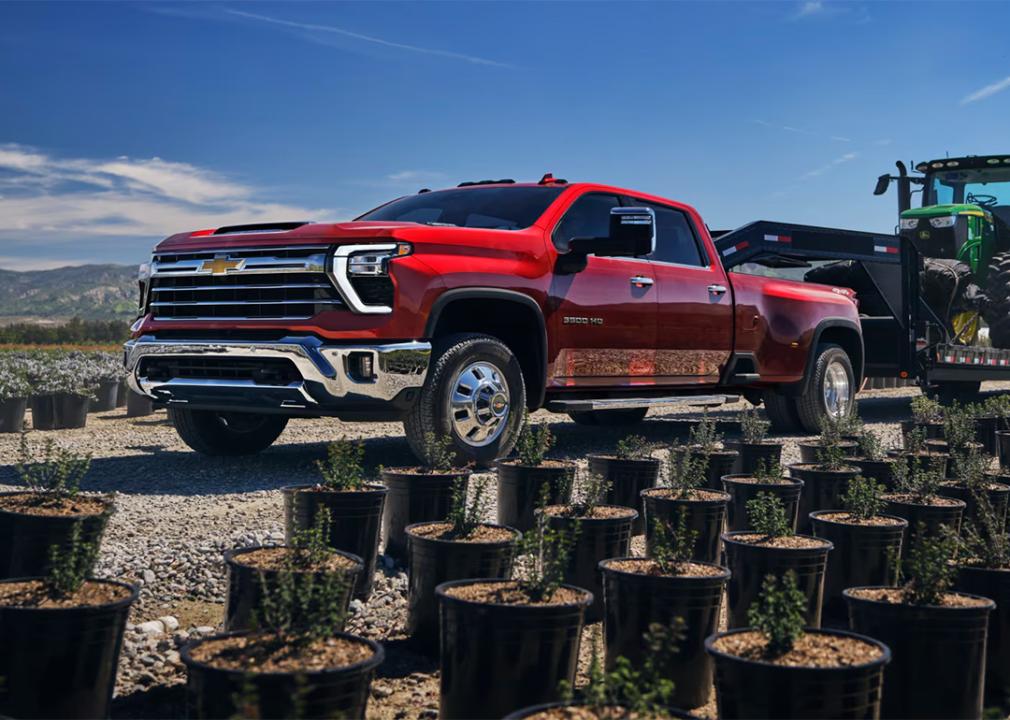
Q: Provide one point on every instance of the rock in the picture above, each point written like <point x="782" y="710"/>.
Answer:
<point x="149" y="576"/>
<point x="204" y="629"/>
<point x="151" y="627"/>
<point x="381" y="691"/>
<point x="170" y="623"/>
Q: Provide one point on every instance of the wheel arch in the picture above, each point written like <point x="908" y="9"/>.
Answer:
<point x="843" y="332"/>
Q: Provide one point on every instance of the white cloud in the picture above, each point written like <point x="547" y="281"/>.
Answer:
<point x="987" y="91"/>
<point x="847" y="157"/>
<point x="414" y="176"/>
<point x="808" y="8"/>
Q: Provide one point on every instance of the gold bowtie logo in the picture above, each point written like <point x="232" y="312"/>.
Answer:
<point x="221" y="265"/>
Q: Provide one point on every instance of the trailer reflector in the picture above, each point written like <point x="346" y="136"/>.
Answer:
<point x="889" y="249"/>
<point x="739" y="246"/>
<point x="778" y="238"/>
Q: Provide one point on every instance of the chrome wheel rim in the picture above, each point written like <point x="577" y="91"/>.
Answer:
<point x="837" y="390"/>
<point x="479" y="404"/>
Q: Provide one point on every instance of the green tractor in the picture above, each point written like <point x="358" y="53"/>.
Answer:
<point x="962" y="230"/>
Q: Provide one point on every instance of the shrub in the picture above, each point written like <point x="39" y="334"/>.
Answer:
<point x="56" y="472"/>
<point x="779" y="613"/>
<point x="970" y="468"/>
<point x="913" y="477"/>
<point x="870" y="446"/>
<point x="594" y="493"/>
<point x="301" y="608"/>
<point x="851" y="425"/>
<point x="534" y="442"/>
<point x="705" y="437"/>
<point x="344" y="468"/>
<point x="309" y="545"/>
<point x="765" y="473"/>
<point x="753" y="426"/>
<point x="687" y="470"/>
<point x="13" y="383"/>
<point x="985" y="539"/>
<point x="767" y="515"/>
<point x="929" y="567"/>
<point x="862" y="499"/>
<point x="543" y="554"/>
<point x="466" y="517"/>
<point x="959" y="429"/>
<point x="830" y="452"/>
<point x="926" y="410"/>
<point x="633" y="447"/>
<point x="672" y="548"/>
<point x="439" y="452"/>
<point x="996" y="406"/>
<point x="70" y="567"/>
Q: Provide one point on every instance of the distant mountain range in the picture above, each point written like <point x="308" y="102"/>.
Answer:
<point x="91" y="292"/>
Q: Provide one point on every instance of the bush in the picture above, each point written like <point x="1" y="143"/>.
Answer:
<point x="687" y="470"/>
<point x="926" y="410"/>
<point x="930" y="568"/>
<point x="534" y="442"/>
<point x="672" y="548"/>
<point x="767" y="515"/>
<point x="705" y="437"/>
<point x="633" y="447"/>
<point x="13" y="383"/>
<point x="862" y="499"/>
<point x="343" y="469"/>
<point x="831" y="453"/>
<point x="543" y="555"/>
<point x="54" y="472"/>
<point x="753" y="426"/>
<point x="466" y="517"/>
<point x="779" y="613"/>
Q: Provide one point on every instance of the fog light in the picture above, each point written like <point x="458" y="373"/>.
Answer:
<point x="361" y="366"/>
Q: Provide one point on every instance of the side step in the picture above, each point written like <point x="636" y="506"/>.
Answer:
<point x="564" y="406"/>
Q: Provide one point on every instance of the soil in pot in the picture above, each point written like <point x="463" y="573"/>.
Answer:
<point x="255" y="570"/>
<point x="822" y="489"/>
<point x="637" y="593"/>
<point x="43" y="412"/>
<point x="750" y="556"/>
<point x="501" y="650"/>
<point x="415" y="495"/>
<point x="71" y="411"/>
<point x="705" y="513"/>
<point x="932" y="514"/>
<point x="604" y="532"/>
<point x="438" y="555"/>
<point x="12" y="415"/>
<point x="828" y="674"/>
<point x="744" y="488"/>
<point x="810" y="450"/>
<point x="355" y="516"/>
<point x="998" y="494"/>
<point x="754" y="455"/>
<point x="938" y="651"/>
<point x="30" y="523"/>
<point x="864" y="554"/>
<point x="58" y="657"/>
<point x="628" y="477"/>
<point x="520" y="488"/>
<point x="992" y="583"/>
<point x="324" y="678"/>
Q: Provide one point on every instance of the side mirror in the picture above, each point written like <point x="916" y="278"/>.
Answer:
<point x="632" y="234"/>
<point x="882" y="183"/>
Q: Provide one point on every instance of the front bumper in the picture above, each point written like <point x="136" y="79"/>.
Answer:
<point x="326" y="378"/>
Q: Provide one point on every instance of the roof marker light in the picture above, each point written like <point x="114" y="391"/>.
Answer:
<point x="202" y="233"/>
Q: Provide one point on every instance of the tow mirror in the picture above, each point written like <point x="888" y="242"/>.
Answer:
<point x="632" y="234"/>
<point x="882" y="182"/>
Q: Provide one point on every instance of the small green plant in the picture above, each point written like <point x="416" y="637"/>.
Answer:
<point x="439" y="452"/>
<point x="594" y="493"/>
<point x="929" y="567"/>
<point x="543" y="553"/>
<point x="862" y="499"/>
<point x="534" y="442"/>
<point x="301" y="608"/>
<point x="779" y="613"/>
<point x="344" y="468"/>
<point x="687" y="470"/>
<point x="984" y="539"/>
<point x="959" y="429"/>
<point x="914" y="441"/>
<point x="850" y="425"/>
<point x="830" y="451"/>
<point x="767" y="515"/>
<point x="55" y="472"/>
<point x="767" y="473"/>
<point x="970" y="468"/>
<point x="467" y="516"/>
<point x="705" y="437"/>
<point x="753" y="426"/>
<point x="671" y="548"/>
<point x="997" y="406"/>
<point x="913" y="476"/>
<point x="69" y="567"/>
<point x="309" y="545"/>
<point x="926" y="410"/>
<point x="870" y="447"/>
<point x="632" y="447"/>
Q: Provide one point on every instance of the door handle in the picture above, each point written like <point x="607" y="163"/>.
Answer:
<point x="641" y="281"/>
<point x="717" y="289"/>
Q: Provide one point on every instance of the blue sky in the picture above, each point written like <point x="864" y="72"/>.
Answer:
<point x="121" y="123"/>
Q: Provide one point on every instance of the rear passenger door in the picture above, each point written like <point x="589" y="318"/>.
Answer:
<point x="694" y="315"/>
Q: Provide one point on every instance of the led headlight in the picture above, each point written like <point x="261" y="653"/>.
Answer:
<point x="351" y="262"/>
<point x="908" y="223"/>
<point x="943" y="222"/>
<point x="374" y="263"/>
<point x="143" y="281"/>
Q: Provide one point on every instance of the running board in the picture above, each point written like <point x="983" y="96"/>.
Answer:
<point x="564" y="406"/>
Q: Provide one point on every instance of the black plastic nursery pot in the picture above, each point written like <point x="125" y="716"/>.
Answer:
<point x="749" y="563"/>
<point x="138" y="405"/>
<point x="822" y="490"/>
<point x="934" y="430"/>
<point x="434" y="561"/>
<point x="121" y="393"/>
<point x="497" y="658"/>
<point x="929" y="459"/>
<point x="938" y="655"/>
<point x="995" y="585"/>
<point x="704" y="515"/>
<point x="341" y="692"/>
<point x="599" y="538"/>
<point x="932" y="517"/>
<point x="71" y="411"/>
<point x="633" y="601"/>
<point x="549" y="708"/>
<point x="879" y="470"/>
<point x="862" y="555"/>
<point x="809" y="450"/>
<point x="25" y="538"/>
<point x="61" y="662"/>
<point x="12" y="415"/>
<point x="520" y="486"/>
<point x="985" y="432"/>
<point x="354" y="522"/>
<point x="246" y="584"/>
<point x="998" y="494"/>
<point x="741" y="490"/>
<point x="414" y="497"/>
<point x="746" y="688"/>
<point x="108" y="394"/>
<point x="628" y="478"/>
<point x="43" y="412"/>
<point x="767" y="454"/>
<point x="1003" y="448"/>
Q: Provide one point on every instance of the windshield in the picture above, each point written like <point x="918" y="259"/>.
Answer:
<point x="498" y="208"/>
<point x="987" y="187"/>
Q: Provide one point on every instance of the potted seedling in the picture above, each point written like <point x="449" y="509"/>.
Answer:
<point x="772" y="547"/>
<point x="668" y="585"/>
<point x="353" y="504"/>
<point x="77" y="388"/>
<point x="462" y="546"/>
<point x="937" y="637"/>
<point x="706" y="442"/>
<point x="521" y="480"/>
<point x="48" y="509"/>
<point x="866" y="545"/>
<point x="296" y="663"/>
<point x="60" y="636"/>
<point x="14" y="393"/>
<point x="744" y="488"/>
<point x="918" y="453"/>
<point x="990" y="417"/>
<point x="254" y="572"/>
<point x="777" y="668"/>
<point x="420" y="494"/>
<point x="108" y="374"/>
<point x="46" y="382"/>
<point x="959" y="431"/>
<point x="601" y="531"/>
<point x="630" y="470"/>
<point x="495" y="634"/>
<point x="871" y="459"/>
<point x="927" y="415"/>
<point x="754" y="447"/>
<point x="687" y="495"/>
<point x="970" y="480"/>
<point x="830" y="448"/>
<point x="825" y="480"/>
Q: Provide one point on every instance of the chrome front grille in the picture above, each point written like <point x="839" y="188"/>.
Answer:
<point x="288" y="283"/>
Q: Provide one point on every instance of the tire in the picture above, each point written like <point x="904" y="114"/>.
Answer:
<point x="226" y="434"/>
<point x="782" y="412"/>
<point x="497" y="369"/>
<point x="996" y="312"/>
<point x="812" y="405"/>
<point x="947" y="393"/>
<point x="609" y="418"/>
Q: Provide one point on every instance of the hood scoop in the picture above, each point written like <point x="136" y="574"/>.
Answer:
<point x="259" y="228"/>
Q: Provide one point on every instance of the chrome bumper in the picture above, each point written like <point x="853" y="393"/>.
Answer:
<point x="327" y="380"/>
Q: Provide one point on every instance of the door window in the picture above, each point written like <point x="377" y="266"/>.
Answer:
<point x="589" y="216"/>
<point x="675" y="238"/>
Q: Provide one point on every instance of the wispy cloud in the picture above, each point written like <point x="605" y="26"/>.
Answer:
<point x="809" y="8"/>
<point x="334" y="30"/>
<point x="851" y="12"/>
<point x="415" y="176"/>
<point x="803" y="131"/>
<point x="987" y="91"/>
<point x="841" y="160"/>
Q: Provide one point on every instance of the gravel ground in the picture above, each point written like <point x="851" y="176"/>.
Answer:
<point x="177" y="512"/>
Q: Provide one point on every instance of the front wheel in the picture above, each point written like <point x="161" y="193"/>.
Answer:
<point x="226" y="433"/>
<point x="831" y="390"/>
<point x="475" y="394"/>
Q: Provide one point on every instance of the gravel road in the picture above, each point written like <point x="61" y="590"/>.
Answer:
<point x="177" y="512"/>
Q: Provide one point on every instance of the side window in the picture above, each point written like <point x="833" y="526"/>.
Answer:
<point x="675" y="238"/>
<point x="589" y="216"/>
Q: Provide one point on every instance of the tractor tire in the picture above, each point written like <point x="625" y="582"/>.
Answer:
<point x="830" y="391"/>
<point x="609" y="418"/>
<point x="226" y="433"/>
<point x="997" y="309"/>
<point x="781" y="410"/>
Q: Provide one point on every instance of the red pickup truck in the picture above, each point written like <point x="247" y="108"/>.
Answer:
<point x="453" y="310"/>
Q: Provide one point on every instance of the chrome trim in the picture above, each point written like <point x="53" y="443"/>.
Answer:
<point x="641" y="281"/>
<point x="327" y="377"/>
<point x="192" y="303"/>
<point x="253" y="265"/>
<point x="583" y="405"/>
<point x="341" y="279"/>
<point x="297" y="286"/>
<point x="218" y="250"/>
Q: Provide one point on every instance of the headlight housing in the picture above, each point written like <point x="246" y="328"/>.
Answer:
<point x="357" y="264"/>
<point x="908" y="223"/>
<point x="375" y="263"/>
<point x="143" y="282"/>
<point x="943" y="222"/>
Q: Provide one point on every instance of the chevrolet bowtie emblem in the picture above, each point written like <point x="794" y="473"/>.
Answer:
<point x="221" y="265"/>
